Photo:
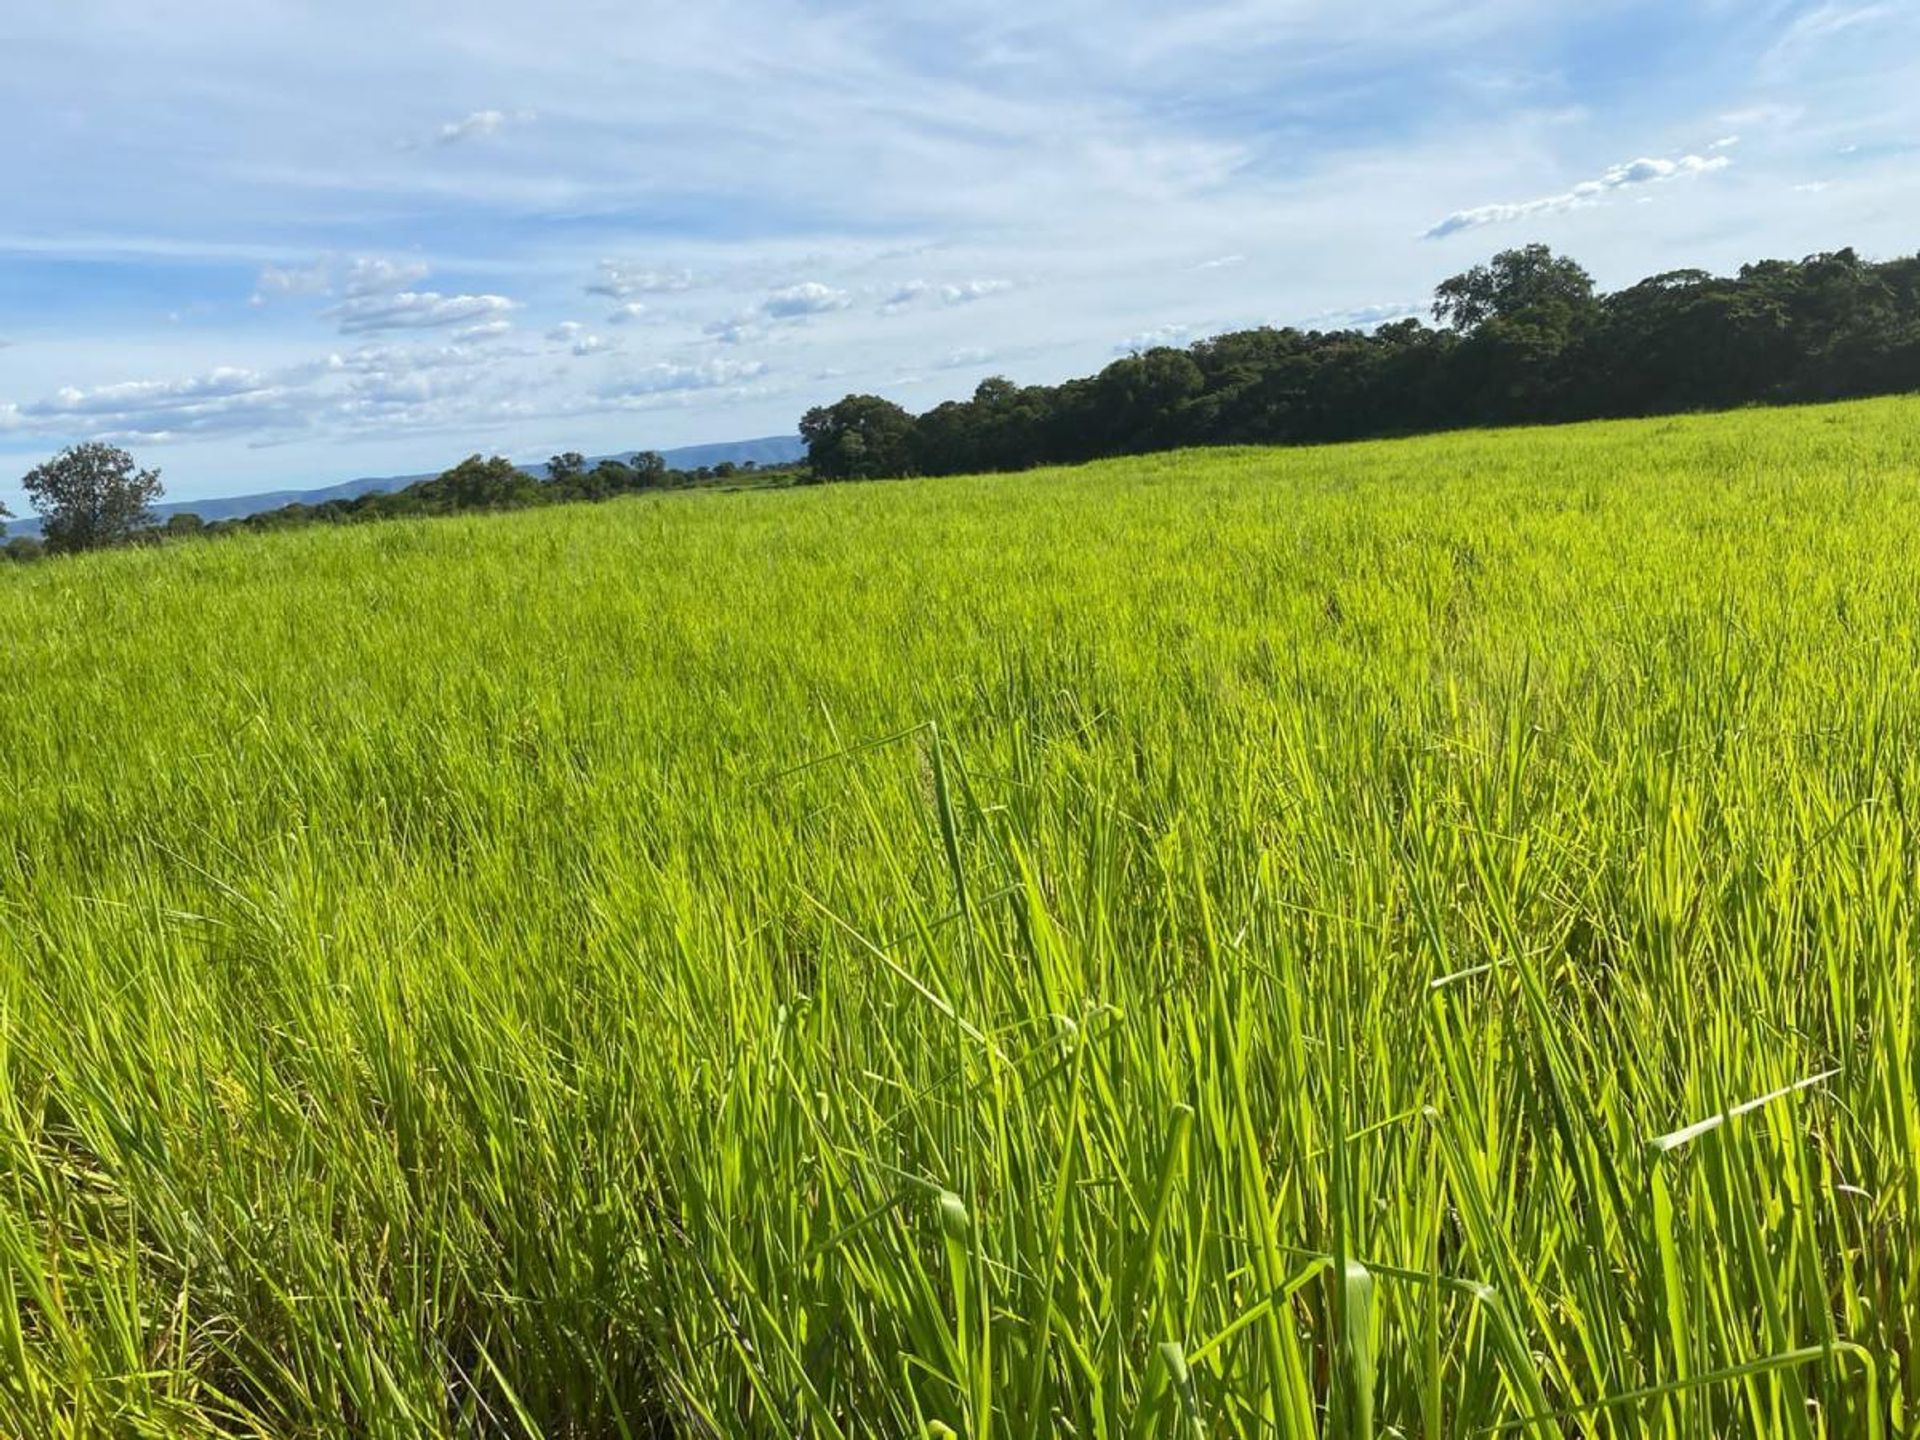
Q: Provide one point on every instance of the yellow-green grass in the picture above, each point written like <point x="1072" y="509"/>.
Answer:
<point x="1238" y="943"/>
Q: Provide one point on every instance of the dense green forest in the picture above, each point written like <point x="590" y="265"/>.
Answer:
<point x="1526" y="338"/>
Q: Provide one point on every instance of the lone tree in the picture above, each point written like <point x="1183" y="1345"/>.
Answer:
<point x="862" y="437"/>
<point x="90" y="496"/>
<point x="649" y="467"/>
<point x="481" y="484"/>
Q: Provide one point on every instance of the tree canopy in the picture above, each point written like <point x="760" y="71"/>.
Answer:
<point x="91" y="495"/>
<point x="1511" y="284"/>
<point x="859" y="438"/>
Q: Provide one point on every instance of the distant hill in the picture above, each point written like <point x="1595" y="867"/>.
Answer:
<point x="770" y="450"/>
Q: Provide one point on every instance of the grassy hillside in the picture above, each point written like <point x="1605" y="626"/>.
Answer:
<point x="1225" y="943"/>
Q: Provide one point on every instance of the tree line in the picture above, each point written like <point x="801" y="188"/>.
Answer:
<point x="95" y="495"/>
<point x="1525" y="338"/>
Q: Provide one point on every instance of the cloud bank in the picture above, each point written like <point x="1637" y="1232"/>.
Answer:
<point x="1620" y="177"/>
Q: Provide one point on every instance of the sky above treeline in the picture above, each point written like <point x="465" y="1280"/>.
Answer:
<point x="268" y="242"/>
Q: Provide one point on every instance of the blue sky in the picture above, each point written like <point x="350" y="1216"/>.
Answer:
<point x="265" y="243"/>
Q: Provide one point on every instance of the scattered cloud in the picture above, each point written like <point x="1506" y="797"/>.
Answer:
<point x="1171" y="334"/>
<point x="367" y="390"/>
<point x="1369" y="317"/>
<point x="621" y="281"/>
<point x="628" y="314"/>
<point x="411" y="310"/>
<point x="1820" y="24"/>
<point x="1223" y="262"/>
<point x="355" y="277"/>
<point x="371" y="275"/>
<point x="1767" y="115"/>
<point x="734" y="330"/>
<point x="480" y="124"/>
<point x="970" y="358"/>
<point x="1620" y="177"/>
<point x="277" y="280"/>
<point x="808" y="298"/>
<point x="221" y="400"/>
<point x="904" y="296"/>
<point x="664" y="379"/>
<point x="968" y="291"/>
<point x="1725" y="142"/>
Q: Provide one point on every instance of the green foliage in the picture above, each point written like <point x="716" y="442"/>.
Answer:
<point x="1528" y="341"/>
<point x="479" y="484"/>
<point x="91" y="496"/>
<point x="862" y="437"/>
<point x="1412" y="938"/>
<point x="1514" y="283"/>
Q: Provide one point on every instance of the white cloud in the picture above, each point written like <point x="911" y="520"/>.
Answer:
<point x="485" y="330"/>
<point x="809" y="298"/>
<point x="1817" y="27"/>
<point x="1368" y="317"/>
<point x="370" y="275"/>
<point x="1224" y="262"/>
<point x="1620" y="177"/>
<point x="628" y="314"/>
<point x="967" y="359"/>
<point x="1725" y="142"/>
<point x="904" y="296"/>
<point x="479" y="125"/>
<point x="227" y="398"/>
<point x="356" y="278"/>
<point x="579" y="338"/>
<point x="734" y="330"/>
<point x="1170" y="334"/>
<point x="315" y="279"/>
<point x="410" y="310"/>
<point x="663" y="379"/>
<point x="967" y="291"/>
<point x="621" y="281"/>
<point x="1767" y="115"/>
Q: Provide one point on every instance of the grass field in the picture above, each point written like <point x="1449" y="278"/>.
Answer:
<point x="1403" y="939"/>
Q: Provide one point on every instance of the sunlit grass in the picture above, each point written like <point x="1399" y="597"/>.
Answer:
<point x="1401" y="939"/>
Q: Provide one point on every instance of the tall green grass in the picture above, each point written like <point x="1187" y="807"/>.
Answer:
<point x="1408" y="939"/>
